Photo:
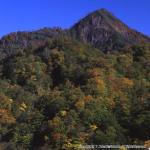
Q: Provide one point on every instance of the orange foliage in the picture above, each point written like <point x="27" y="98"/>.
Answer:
<point x="120" y="83"/>
<point x="127" y="82"/>
<point x="147" y="144"/>
<point x="88" y="98"/>
<point x="6" y="117"/>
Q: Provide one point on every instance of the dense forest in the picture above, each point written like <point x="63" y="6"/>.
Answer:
<point x="58" y="93"/>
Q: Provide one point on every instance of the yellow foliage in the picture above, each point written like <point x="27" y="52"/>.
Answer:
<point x="11" y="100"/>
<point x="80" y="104"/>
<point x="122" y="148"/>
<point x="23" y="107"/>
<point x="93" y="127"/>
<point x="63" y="113"/>
<point x="69" y="145"/>
<point x="55" y="122"/>
<point x="100" y="82"/>
<point x="100" y="85"/>
<point x="46" y="138"/>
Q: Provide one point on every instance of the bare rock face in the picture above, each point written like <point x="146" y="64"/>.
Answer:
<point x="105" y="31"/>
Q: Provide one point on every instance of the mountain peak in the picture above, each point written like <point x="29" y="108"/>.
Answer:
<point x="101" y="14"/>
<point x="105" y="31"/>
<point x="102" y="11"/>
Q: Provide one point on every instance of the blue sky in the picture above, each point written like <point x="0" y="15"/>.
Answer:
<point x="28" y="15"/>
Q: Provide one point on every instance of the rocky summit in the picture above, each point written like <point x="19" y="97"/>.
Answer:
<point x="103" y="30"/>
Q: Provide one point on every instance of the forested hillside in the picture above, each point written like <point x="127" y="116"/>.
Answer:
<point x="57" y="93"/>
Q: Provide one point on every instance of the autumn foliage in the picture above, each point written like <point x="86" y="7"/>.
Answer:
<point x="58" y="93"/>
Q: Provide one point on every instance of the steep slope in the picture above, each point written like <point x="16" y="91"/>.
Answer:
<point x="105" y="31"/>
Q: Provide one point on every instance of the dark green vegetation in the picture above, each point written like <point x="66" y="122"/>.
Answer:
<point x="58" y="93"/>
